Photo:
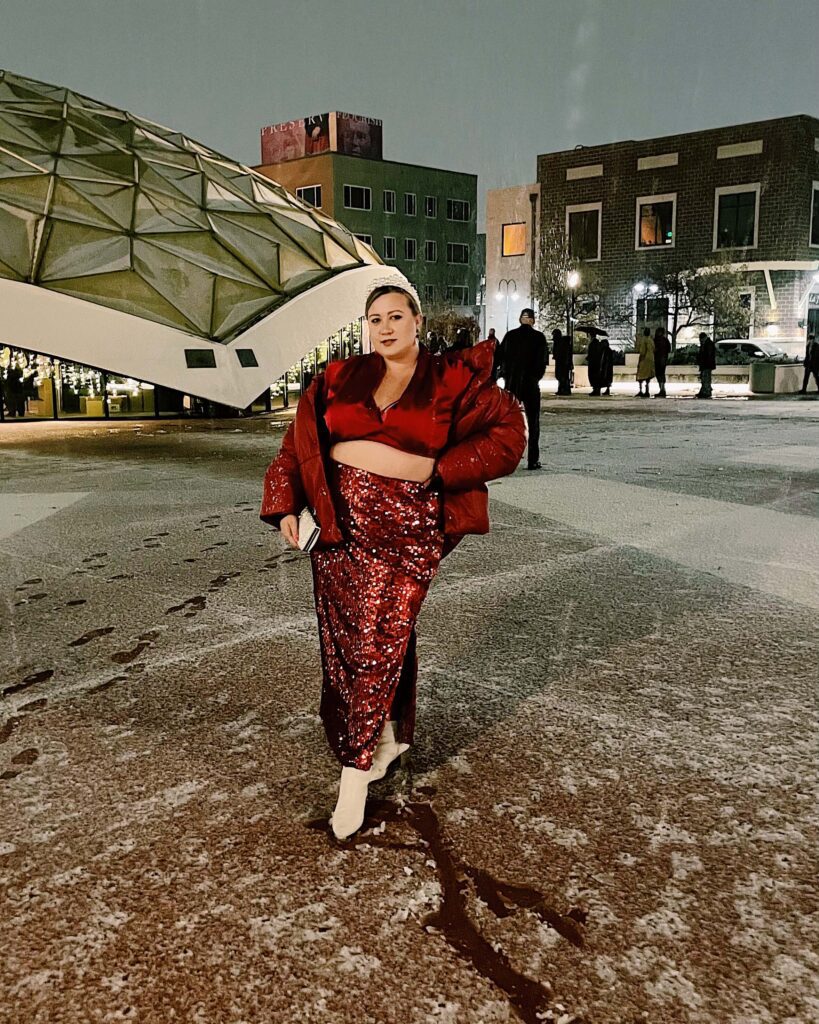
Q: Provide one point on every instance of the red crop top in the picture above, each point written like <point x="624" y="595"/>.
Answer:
<point x="418" y="422"/>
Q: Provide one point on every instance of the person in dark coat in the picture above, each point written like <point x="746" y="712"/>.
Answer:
<point x="811" y="364"/>
<point x="463" y="340"/>
<point x="521" y="359"/>
<point x="564" y="362"/>
<point x="606" y="365"/>
<point x="707" y="362"/>
<point x="593" y="362"/>
<point x="15" y="391"/>
<point x="662" y="350"/>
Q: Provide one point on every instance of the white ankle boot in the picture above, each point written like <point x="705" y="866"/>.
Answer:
<point x="386" y="752"/>
<point x="348" y="816"/>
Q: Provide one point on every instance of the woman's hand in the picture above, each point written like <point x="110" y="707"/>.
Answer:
<point x="290" y="530"/>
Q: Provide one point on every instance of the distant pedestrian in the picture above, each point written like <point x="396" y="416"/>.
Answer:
<point x="492" y="336"/>
<point x="522" y="358"/>
<point x="811" y="364"/>
<point x="564" y="361"/>
<point x="707" y="362"/>
<point x="662" y="350"/>
<point x="15" y="391"/>
<point x="593" y="363"/>
<point x="645" y="364"/>
<point x="606" y="366"/>
<point x="463" y="340"/>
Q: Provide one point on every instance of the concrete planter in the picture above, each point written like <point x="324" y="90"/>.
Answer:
<point x="775" y="378"/>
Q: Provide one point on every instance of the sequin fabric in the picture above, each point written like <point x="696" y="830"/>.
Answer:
<point x="368" y="594"/>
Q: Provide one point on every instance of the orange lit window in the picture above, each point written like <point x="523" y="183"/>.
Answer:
<point x="514" y="240"/>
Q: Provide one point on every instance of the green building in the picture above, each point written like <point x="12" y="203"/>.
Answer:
<point x="419" y="219"/>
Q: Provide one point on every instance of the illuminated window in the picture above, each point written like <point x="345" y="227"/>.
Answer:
<point x="656" y="217"/>
<point x="513" y="240"/>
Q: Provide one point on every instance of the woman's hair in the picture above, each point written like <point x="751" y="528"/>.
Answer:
<point x="389" y="289"/>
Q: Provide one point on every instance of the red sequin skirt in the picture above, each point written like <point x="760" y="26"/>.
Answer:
<point x="368" y="594"/>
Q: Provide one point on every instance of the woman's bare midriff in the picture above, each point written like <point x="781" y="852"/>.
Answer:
<point x="383" y="460"/>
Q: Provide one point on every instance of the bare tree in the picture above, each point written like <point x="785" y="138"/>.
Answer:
<point x="706" y="297"/>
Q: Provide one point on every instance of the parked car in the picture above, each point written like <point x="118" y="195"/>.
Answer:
<point x="751" y="347"/>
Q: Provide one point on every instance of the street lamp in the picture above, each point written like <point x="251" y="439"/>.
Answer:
<point x="573" y="281"/>
<point x="507" y="283"/>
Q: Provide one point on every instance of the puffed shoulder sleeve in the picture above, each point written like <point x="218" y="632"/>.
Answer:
<point x="488" y="441"/>
<point x="283" y="490"/>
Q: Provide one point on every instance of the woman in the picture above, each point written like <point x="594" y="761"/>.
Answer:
<point x="645" y="364"/>
<point x="391" y="451"/>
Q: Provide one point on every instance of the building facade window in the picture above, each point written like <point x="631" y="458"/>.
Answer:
<point x="410" y="204"/>
<point x="310" y="194"/>
<point x="457" y="252"/>
<point x="389" y="247"/>
<point x="656" y="221"/>
<point x="365" y="238"/>
<point x="457" y="294"/>
<point x="431" y="251"/>
<point x="410" y="249"/>
<point x="736" y="217"/>
<point x="358" y="197"/>
<point x="430" y="206"/>
<point x="429" y="293"/>
<point x="457" y="209"/>
<point x="389" y="200"/>
<point x="513" y="240"/>
<point x="583" y="230"/>
<point x="814" y="216"/>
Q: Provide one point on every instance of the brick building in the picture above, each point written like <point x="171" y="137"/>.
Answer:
<point x="747" y="192"/>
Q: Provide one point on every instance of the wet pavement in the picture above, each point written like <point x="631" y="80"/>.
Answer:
<point x="610" y="813"/>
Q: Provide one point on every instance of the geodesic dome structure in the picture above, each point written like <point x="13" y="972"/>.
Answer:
<point x="132" y="248"/>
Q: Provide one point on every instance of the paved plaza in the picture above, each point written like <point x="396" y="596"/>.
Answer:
<point x="610" y="813"/>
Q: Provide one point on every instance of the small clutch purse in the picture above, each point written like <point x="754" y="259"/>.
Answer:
<point x="309" y="530"/>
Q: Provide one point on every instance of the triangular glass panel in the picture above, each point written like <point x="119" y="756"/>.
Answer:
<point x="268" y="195"/>
<point x="115" y="201"/>
<point x="308" y="238"/>
<point x="336" y="256"/>
<point x="44" y="132"/>
<point x="204" y="251"/>
<point x="185" y="286"/>
<point x="128" y="292"/>
<point x="259" y="252"/>
<point x="157" y="213"/>
<point x="142" y="135"/>
<point x="76" y="250"/>
<point x="18" y="229"/>
<point x="84" y="170"/>
<point x="27" y="193"/>
<point x="296" y="269"/>
<point x="171" y="181"/>
<point x="221" y="198"/>
<point x="20" y="164"/>
<point x="9" y="273"/>
<point x="68" y="204"/>
<point x="175" y="158"/>
<point x="236" y="305"/>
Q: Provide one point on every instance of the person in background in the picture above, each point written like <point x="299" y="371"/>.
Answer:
<point x="593" y="362"/>
<point x="564" y="362"/>
<point x="606" y="366"/>
<point x="491" y="336"/>
<point x="521" y="360"/>
<point x="662" y="350"/>
<point x="811" y="364"/>
<point x="707" y="362"/>
<point x="645" y="364"/>
<point x="463" y="340"/>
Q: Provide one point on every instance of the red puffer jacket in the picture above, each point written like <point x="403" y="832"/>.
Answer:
<point x="486" y="441"/>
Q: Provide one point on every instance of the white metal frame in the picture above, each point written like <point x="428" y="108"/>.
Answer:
<point x="83" y="332"/>
<point x="385" y="193"/>
<point x="431" y="216"/>
<point x="434" y="244"/>
<point x="390" y="238"/>
<point x="459" y="220"/>
<point x="730" y="190"/>
<point x="585" y="208"/>
<point x="667" y="197"/>
<point x="411" y="259"/>
<point x="457" y="263"/>
<point x="414" y="196"/>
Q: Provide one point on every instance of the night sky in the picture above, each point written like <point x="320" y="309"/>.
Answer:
<point x="469" y="85"/>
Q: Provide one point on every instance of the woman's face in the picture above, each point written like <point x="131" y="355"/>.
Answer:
<point x="392" y="325"/>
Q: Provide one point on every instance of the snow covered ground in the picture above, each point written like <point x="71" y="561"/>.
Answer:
<point x="611" y="812"/>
